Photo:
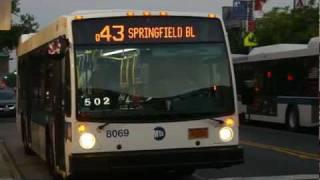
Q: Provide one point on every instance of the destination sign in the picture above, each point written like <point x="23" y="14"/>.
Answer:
<point x="147" y="30"/>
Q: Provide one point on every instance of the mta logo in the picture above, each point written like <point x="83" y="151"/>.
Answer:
<point x="159" y="133"/>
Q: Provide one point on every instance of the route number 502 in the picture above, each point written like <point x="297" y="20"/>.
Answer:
<point x="106" y="33"/>
<point x="97" y="101"/>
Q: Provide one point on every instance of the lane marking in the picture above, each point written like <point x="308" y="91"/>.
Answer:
<point x="10" y="161"/>
<point x="292" y="152"/>
<point x="285" y="177"/>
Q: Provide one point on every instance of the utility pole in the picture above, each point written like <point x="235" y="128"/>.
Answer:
<point x="5" y="15"/>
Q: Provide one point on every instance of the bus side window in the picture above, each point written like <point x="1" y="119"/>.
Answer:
<point x="67" y="85"/>
<point x="248" y="92"/>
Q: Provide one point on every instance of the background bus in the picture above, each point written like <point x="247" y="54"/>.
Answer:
<point x="279" y="84"/>
<point x="103" y="91"/>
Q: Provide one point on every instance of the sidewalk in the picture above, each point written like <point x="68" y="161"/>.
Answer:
<point x="6" y="173"/>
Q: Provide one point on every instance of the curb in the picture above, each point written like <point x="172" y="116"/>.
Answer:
<point x="10" y="162"/>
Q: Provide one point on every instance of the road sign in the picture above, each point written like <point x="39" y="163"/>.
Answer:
<point x="5" y="15"/>
<point x="250" y="40"/>
<point x="240" y="9"/>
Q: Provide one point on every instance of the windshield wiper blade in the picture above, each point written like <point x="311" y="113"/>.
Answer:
<point x="101" y="127"/>
<point x="217" y="120"/>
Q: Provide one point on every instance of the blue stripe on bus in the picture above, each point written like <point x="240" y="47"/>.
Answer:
<point x="298" y="100"/>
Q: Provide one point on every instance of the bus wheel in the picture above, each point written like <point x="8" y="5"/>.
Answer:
<point x="292" y="120"/>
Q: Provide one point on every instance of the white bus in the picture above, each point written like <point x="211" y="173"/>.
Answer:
<point x="112" y="91"/>
<point x="279" y="84"/>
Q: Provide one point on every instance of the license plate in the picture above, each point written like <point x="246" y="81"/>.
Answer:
<point x="198" y="133"/>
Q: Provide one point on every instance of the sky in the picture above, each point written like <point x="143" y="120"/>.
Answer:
<point x="46" y="11"/>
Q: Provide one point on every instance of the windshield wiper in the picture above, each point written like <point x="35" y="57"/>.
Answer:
<point x="101" y="127"/>
<point x="217" y="120"/>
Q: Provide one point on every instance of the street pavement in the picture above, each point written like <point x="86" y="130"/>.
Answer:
<point x="4" y="165"/>
<point x="270" y="154"/>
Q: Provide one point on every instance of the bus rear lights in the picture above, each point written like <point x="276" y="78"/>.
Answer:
<point x="226" y="134"/>
<point x="269" y="74"/>
<point x="87" y="141"/>
<point x="229" y="122"/>
<point x="290" y="77"/>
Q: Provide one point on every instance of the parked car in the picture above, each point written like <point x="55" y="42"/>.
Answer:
<point x="7" y="102"/>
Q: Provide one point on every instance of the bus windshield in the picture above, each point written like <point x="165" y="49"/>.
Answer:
<point x="150" y="81"/>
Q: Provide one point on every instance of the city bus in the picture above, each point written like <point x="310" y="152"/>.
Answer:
<point x="279" y="84"/>
<point x="113" y="91"/>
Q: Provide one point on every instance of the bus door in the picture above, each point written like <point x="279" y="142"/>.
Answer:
<point x="266" y="98"/>
<point x="55" y="111"/>
<point x="260" y="90"/>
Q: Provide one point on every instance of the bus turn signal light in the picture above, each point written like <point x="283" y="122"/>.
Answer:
<point x="229" y="122"/>
<point x="81" y="128"/>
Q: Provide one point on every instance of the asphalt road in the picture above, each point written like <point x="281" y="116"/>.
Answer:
<point x="270" y="153"/>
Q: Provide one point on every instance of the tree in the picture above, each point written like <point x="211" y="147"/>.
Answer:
<point x="236" y="42"/>
<point x="282" y="25"/>
<point x="26" y="24"/>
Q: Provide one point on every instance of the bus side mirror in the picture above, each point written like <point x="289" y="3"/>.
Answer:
<point x="57" y="48"/>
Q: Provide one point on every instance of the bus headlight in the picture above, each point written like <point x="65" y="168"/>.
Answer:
<point x="226" y="134"/>
<point x="87" y="140"/>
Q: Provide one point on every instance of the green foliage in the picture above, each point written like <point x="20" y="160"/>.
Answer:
<point x="282" y="25"/>
<point x="26" y="24"/>
<point x="15" y="7"/>
<point x="236" y="42"/>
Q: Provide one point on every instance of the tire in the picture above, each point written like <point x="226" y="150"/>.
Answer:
<point x="292" y="120"/>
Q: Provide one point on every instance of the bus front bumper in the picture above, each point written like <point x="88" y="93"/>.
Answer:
<point x="160" y="160"/>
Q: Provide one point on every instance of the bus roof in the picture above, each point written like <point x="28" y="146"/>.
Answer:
<point x="60" y="26"/>
<point x="280" y="51"/>
<point x="123" y="12"/>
